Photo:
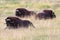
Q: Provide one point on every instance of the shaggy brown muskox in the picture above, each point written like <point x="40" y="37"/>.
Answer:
<point x="50" y="13"/>
<point x="22" y="12"/>
<point x="46" y="14"/>
<point x="14" y="22"/>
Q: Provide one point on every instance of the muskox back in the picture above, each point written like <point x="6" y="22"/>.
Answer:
<point x="22" y="12"/>
<point x="14" y="22"/>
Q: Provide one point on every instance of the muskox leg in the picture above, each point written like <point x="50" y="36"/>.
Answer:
<point x="37" y="17"/>
<point x="27" y="23"/>
<point x="7" y="28"/>
<point x="32" y="25"/>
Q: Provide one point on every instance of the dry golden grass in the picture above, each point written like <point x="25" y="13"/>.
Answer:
<point x="44" y="29"/>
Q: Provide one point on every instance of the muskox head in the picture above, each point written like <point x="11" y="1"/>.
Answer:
<point x="12" y="22"/>
<point x="21" y="12"/>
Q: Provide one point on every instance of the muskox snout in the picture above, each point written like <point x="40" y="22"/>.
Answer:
<point x="18" y="13"/>
<point x="54" y="16"/>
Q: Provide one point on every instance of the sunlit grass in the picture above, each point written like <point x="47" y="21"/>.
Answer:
<point x="44" y="29"/>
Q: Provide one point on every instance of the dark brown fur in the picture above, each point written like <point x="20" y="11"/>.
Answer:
<point x="14" y="22"/>
<point x="46" y="14"/>
<point x="22" y="12"/>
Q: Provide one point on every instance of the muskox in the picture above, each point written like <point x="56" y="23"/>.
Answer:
<point x="22" y="12"/>
<point x="46" y="14"/>
<point x="50" y="13"/>
<point x="14" y="22"/>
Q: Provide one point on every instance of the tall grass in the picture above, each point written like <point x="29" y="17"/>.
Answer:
<point x="45" y="29"/>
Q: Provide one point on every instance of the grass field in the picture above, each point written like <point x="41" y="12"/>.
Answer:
<point x="45" y="29"/>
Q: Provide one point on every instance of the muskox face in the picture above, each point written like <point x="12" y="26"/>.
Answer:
<point x="12" y="22"/>
<point x="21" y="12"/>
<point x="18" y="12"/>
<point x="9" y="21"/>
<point x="53" y="15"/>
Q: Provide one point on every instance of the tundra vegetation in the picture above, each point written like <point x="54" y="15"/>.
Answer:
<point x="45" y="29"/>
